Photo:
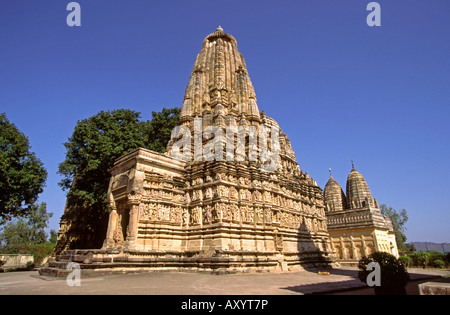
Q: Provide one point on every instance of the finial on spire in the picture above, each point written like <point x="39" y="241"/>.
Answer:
<point x="219" y="29"/>
<point x="353" y="165"/>
<point x="329" y="170"/>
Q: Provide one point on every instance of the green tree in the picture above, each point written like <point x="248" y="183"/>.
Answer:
<point x="94" y="146"/>
<point x="159" y="129"/>
<point x="53" y="236"/>
<point x="399" y="219"/>
<point x="29" y="230"/>
<point x="91" y="151"/>
<point x="421" y="259"/>
<point x="22" y="174"/>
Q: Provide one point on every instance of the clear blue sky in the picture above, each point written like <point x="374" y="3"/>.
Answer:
<point x="339" y="89"/>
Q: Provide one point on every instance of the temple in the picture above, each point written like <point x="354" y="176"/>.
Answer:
<point x="355" y="223"/>
<point x="250" y="207"/>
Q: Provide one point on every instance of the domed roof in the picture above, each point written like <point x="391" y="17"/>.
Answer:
<point x="219" y="33"/>
<point x="357" y="190"/>
<point x="220" y="76"/>
<point x="334" y="196"/>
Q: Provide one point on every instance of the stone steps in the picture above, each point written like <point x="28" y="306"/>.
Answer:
<point x="95" y="262"/>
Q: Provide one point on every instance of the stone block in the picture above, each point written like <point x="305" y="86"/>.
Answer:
<point x="434" y="288"/>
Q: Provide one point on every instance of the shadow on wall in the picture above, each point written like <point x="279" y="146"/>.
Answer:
<point x="312" y="248"/>
<point x="81" y="228"/>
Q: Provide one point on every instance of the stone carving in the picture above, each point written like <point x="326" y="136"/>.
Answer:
<point x="207" y="214"/>
<point x="208" y="193"/>
<point x="185" y="217"/>
<point x="196" y="215"/>
<point x="233" y="193"/>
<point x="222" y="191"/>
<point x="259" y="216"/>
<point x="257" y="196"/>
<point x="236" y="214"/>
<point x="267" y="198"/>
<point x="220" y="176"/>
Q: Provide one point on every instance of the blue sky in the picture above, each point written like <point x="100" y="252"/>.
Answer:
<point x="340" y="90"/>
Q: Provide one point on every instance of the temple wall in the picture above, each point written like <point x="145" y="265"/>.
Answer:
<point x="162" y="205"/>
<point x="353" y="244"/>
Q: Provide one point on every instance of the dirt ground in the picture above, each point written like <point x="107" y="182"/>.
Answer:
<point x="412" y="288"/>
<point x="342" y="281"/>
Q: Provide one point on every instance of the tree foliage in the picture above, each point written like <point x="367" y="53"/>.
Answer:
<point x="159" y="129"/>
<point x="29" y="230"/>
<point x="393" y="273"/>
<point x="399" y="219"/>
<point x="98" y="141"/>
<point x="91" y="150"/>
<point x="22" y="174"/>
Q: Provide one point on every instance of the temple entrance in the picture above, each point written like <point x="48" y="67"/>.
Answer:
<point x="124" y="220"/>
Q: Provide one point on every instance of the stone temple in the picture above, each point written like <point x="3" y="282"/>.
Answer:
<point x="355" y="223"/>
<point x="249" y="208"/>
<point x="220" y="214"/>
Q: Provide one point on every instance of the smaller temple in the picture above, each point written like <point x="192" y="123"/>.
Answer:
<point x="355" y="223"/>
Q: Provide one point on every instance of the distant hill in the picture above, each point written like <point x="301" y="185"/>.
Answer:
<point x="429" y="246"/>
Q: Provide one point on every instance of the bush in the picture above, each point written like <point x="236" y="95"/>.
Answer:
<point x="15" y="249"/>
<point x="393" y="273"/>
<point x="435" y="255"/>
<point x="40" y="251"/>
<point x="438" y="263"/>
<point x="421" y="259"/>
<point x="425" y="259"/>
<point x="406" y="261"/>
<point x="30" y="264"/>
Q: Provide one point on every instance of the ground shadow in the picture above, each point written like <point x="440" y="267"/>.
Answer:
<point x="327" y="280"/>
<point x="334" y="282"/>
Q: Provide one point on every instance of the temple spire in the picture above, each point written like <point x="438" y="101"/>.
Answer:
<point x="220" y="76"/>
